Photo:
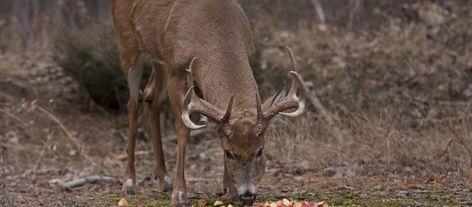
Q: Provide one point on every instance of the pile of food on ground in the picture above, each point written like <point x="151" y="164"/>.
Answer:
<point x="281" y="203"/>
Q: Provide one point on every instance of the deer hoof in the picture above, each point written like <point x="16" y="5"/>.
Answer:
<point x="128" y="192"/>
<point x="179" y="198"/>
<point x="166" y="185"/>
<point x="128" y="188"/>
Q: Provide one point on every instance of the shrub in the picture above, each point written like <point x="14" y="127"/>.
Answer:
<point x="90" y="57"/>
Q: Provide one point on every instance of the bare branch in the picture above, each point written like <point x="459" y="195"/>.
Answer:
<point x="90" y="179"/>
<point x="355" y="9"/>
<point x="75" y="141"/>
<point x="14" y="117"/>
<point x="462" y="142"/>
<point x="319" y="10"/>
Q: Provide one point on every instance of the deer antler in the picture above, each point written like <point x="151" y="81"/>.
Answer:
<point x="290" y="101"/>
<point x="192" y="103"/>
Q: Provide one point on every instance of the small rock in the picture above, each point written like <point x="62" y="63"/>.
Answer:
<point x="123" y="202"/>
<point x="218" y="203"/>
<point x="72" y="153"/>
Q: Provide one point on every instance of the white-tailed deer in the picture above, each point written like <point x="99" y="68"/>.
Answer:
<point x="200" y="51"/>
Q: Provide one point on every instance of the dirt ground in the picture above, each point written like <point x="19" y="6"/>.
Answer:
<point x="48" y="137"/>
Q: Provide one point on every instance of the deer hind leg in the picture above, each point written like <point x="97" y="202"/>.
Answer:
<point x="177" y="89"/>
<point x="134" y="73"/>
<point x="153" y="94"/>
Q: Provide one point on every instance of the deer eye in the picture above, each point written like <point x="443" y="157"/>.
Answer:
<point x="229" y="155"/>
<point x="259" y="152"/>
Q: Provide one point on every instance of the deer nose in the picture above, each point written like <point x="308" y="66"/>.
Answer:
<point x="247" y="198"/>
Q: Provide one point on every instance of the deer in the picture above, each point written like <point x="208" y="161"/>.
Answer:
<point x="200" y="52"/>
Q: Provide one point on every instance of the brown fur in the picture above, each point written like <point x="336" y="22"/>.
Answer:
<point x="172" y="32"/>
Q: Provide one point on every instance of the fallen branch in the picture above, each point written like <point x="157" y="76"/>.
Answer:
<point x="90" y="179"/>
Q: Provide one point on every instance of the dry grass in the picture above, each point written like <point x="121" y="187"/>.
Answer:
<point x="394" y="92"/>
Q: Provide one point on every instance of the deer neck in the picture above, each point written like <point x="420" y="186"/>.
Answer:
<point x="224" y="75"/>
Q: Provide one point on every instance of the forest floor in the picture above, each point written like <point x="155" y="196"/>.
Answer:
<point x="48" y="137"/>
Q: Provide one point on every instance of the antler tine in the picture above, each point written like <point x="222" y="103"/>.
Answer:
<point x="292" y="58"/>
<point x="187" y="109"/>
<point x="260" y="113"/>
<point x="190" y="73"/>
<point x="292" y="95"/>
<point x="291" y="100"/>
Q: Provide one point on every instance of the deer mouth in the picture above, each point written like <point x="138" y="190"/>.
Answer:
<point x="247" y="198"/>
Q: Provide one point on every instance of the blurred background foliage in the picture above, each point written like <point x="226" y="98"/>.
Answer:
<point x="349" y="51"/>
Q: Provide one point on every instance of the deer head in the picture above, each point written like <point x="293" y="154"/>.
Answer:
<point x="243" y="138"/>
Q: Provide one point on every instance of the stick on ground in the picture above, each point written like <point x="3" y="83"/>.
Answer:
<point x="90" y="179"/>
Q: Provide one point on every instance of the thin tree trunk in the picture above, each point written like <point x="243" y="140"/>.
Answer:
<point x="319" y="10"/>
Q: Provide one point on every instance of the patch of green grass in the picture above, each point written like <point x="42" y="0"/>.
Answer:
<point x="334" y="197"/>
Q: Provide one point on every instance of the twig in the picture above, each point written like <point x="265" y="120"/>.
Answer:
<point x="354" y="10"/>
<point x="64" y="128"/>
<point x="446" y="149"/>
<point x="40" y="156"/>
<point x="462" y="142"/>
<point x="90" y="179"/>
<point x="14" y="117"/>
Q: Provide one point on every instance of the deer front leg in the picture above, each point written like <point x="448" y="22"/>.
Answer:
<point x="177" y="88"/>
